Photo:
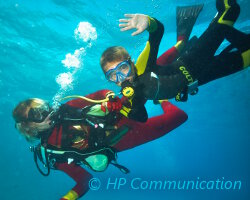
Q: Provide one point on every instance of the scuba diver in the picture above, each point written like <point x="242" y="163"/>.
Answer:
<point x="87" y="132"/>
<point x="196" y="66"/>
<point x="186" y="17"/>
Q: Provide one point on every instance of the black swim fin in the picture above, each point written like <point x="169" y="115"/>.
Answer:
<point x="186" y="18"/>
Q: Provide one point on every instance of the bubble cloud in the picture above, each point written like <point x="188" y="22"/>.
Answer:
<point x="85" y="32"/>
<point x="64" y="80"/>
<point x="73" y="60"/>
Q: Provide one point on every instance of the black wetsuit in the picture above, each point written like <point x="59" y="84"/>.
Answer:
<point x="199" y="63"/>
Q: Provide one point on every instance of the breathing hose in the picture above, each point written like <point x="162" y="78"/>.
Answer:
<point x="109" y="94"/>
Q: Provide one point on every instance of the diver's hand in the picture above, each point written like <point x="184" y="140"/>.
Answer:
<point x="134" y="21"/>
<point x="113" y="105"/>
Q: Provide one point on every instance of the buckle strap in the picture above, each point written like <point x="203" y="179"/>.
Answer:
<point x="191" y="88"/>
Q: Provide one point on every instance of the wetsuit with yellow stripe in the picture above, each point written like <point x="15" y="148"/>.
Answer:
<point x="134" y="108"/>
<point x="146" y="62"/>
<point x="147" y="59"/>
<point x="199" y="63"/>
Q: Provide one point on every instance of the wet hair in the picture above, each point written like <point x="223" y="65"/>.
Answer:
<point x="111" y="54"/>
<point x="19" y="114"/>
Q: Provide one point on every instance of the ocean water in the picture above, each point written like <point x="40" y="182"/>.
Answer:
<point x="51" y="48"/>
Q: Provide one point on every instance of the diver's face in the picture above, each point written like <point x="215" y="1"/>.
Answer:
<point x="120" y="71"/>
<point x="33" y="129"/>
<point x="36" y="120"/>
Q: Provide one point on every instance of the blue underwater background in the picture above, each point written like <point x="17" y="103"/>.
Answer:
<point x="46" y="52"/>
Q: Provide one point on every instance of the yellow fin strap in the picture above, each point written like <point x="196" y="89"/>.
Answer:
<point x="246" y="58"/>
<point x="71" y="195"/>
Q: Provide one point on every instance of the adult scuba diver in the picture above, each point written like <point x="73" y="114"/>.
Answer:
<point x="196" y="66"/>
<point x="81" y="133"/>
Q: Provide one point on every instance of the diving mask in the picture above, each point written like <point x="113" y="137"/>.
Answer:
<point x="39" y="120"/>
<point x="120" y="72"/>
<point x="39" y="114"/>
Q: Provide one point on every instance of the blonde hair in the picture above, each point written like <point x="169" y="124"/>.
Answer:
<point x="28" y="131"/>
<point x="115" y="53"/>
<point x="26" y="128"/>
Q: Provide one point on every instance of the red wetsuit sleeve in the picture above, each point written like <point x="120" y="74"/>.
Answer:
<point x="77" y="173"/>
<point x="168" y="57"/>
<point x="154" y="128"/>
<point x="80" y="103"/>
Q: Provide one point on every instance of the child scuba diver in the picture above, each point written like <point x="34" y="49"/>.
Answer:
<point x="81" y="133"/>
<point x="195" y="67"/>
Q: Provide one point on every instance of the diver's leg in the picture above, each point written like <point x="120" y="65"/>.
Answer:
<point x="200" y="55"/>
<point x="238" y="39"/>
<point x="168" y="57"/>
<point x="79" y="175"/>
<point x="211" y="39"/>
<point x="224" y="65"/>
<point x="173" y="53"/>
<point x="154" y="128"/>
<point x="186" y="17"/>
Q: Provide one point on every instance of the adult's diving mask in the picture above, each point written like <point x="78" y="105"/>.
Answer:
<point x="39" y="114"/>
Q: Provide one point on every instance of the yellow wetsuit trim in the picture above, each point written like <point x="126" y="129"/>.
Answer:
<point x="163" y="100"/>
<point x="221" y="20"/>
<point x="189" y="79"/>
<point x="142" y="61"/>
<point x="152" y="25"/>
<point x="246" y="58"/>
<point x="71" y="195"/>
<point x="125" y="111"/>
<point x="179" y="45"/>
